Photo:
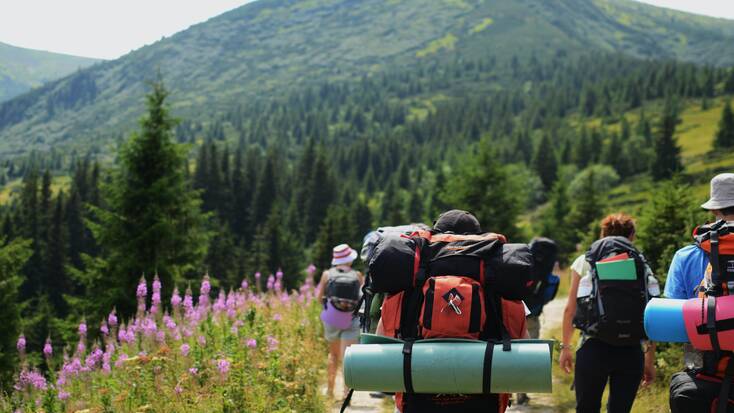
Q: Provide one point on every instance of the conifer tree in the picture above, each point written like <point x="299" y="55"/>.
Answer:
<point x="265" y="191"/>
<point x="665" y="223"/>
<point x="667" y="152"/>
<point x="725" y="134"/>
<point x="545" y="162"/>
<point x="482" y="186"/>
<point x="57" y="282"/>
<point x="12" y="258"/>
<point x="321" y="192"/>
<point x="168" y="235"/>
<point x="586" y="207"/>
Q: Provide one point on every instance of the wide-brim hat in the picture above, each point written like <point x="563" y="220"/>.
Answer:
<point x="722" y="192"/>
<point x="343" y="254"/>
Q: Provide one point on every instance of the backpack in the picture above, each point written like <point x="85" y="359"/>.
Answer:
<point x="343" y="289"/>
<point x="701" y="390"/>
<point x="444" y="285"/>
<point x="614" y="311"/>
<point x="373" y="300"/>
<point x="545" y="287"/>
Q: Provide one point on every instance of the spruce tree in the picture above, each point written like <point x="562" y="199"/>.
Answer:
<point x="154" y="222"/>
<point x="667" y="152"/>
<point x="554" y="221"/>
<point x="586" y="207"/>
<point x="483" y="187"/>
<point x="665" y="223"/>
<point x="12" y="258"/>
<point x="725" y="134"/>
<point x="57" y="281"/>
<point x="545" y="162"/>
<point x="321" y="192"/>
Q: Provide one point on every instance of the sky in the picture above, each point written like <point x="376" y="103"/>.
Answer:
<point x="111" y="28"/>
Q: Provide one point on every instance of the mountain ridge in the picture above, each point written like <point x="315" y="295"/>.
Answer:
<point x="267" y="47"/>
<point x="22" y="69"/>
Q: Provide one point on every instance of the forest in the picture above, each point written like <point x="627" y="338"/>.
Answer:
<point x="272" y="184"/>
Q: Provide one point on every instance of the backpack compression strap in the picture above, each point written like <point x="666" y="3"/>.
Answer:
<point x="407" y="372"/>
<point x="347" y="401"/>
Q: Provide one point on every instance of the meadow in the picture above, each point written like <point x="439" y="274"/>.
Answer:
<point x="246" y="350"/>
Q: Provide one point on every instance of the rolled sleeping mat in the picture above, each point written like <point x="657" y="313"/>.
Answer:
<point x="450" y="367"/>
<point x="664" y="320"/>
<point x="696" y="314"/>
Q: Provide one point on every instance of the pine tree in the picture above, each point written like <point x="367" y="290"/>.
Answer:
<point x="729" y="85"/>
<point x="57" y="281"/>
<point x="12" y="258"/>
<point x="545" y="162"/>
<point x="725" y="134"/>
<point x="665" y="223"/>
<point x="667" y="152"/>
<point x="554" y="222"/>
<point x="586" y="207"/>
<point x="321" y="192"/>
<point x="265" y="191"/>
<point x="168" y="236"/>
<point x="482" y="186"/>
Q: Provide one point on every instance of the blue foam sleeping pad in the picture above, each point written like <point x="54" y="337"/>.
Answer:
<point x="664" y="320"/>
<point x="449" y="366"/>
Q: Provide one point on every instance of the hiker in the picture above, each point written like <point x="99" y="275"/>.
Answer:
<point x="545" y="257"/>
<point x="612" y="348"/>
<point x="339" y="290"/>
<point x="689" y="263"/>
<point x="507" y="321"/>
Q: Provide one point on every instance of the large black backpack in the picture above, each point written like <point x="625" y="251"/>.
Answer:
<point x="545" y="255"/>
<point x="343" y="289"/>
<point x="614" y="310"/>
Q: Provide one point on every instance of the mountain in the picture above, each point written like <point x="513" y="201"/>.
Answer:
<point x="22" y="69"/>
<point x="266" y="48"/>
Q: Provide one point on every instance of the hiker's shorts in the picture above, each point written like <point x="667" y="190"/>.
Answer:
<point x="351" y="333"/>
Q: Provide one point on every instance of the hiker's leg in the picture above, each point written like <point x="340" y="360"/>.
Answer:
<point x="335" y="348"/>
<point x="624" y="380"/>
<point x="590" y="376"/>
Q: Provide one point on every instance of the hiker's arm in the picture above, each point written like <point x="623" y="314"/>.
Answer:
<point x="566" y="357"/>
<point x="649" y="372"/>
<point x="322" y="285"/>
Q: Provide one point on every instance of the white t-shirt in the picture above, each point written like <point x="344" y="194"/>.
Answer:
<point x="581" y="266"/>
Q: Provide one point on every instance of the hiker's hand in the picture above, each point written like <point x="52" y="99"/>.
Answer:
<point x="649" y="374"/>
<point x="566" y="360"/>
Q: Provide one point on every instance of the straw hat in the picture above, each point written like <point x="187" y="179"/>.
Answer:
<point x="343" y="254"/>
<point x="722" y="192"/>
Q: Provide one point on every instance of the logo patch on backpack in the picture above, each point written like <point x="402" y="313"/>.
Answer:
<point x="453" y="301"/>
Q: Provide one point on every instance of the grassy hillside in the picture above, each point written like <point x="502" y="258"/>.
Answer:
<point x="22" y="69"/>
<point x="267" y="47"/>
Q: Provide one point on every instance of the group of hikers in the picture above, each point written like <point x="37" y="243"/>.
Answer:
<point x="455" y="281"/>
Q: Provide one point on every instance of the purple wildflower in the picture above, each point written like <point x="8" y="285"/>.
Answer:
<point x="83" y="328"/>
<point x="112" y="318"/>
<point x="63" y="395"/>
<point x="178" y="389"/>
<point x="251" y="343"/>
<point x="20" y="345"/>
<point x="48" y="350"/>
<point x="206" y="286"/>
<point x="142" y="290"/>
<point x="175" y="298"/>
<point x="104" y="329"/>
<point x="272" y="344"/>
<point x="277" y="317"/>
<point x="193" y="371"/>
<point x="245" y="285"/>
<point x="202" y="341"/>
<point x="223" y="366"/>
<point x="185" y="348"/>
<point x="30" y="380"/>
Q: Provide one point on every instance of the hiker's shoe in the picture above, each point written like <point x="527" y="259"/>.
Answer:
<point x="378" y="395"/>
<point x="522" y="399"/>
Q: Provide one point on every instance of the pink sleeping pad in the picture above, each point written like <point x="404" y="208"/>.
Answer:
<point x="695" y="315"/>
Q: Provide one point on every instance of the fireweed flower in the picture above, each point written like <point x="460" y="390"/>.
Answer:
<point x="30" y="380"/>
<point x="272" y="344"/>
<point x="48" y="350"/>
<point x="202" y="341"/>
<point x="178" y="389"/>
<point x="175" y="298"/>
<point x="277" y="317"/>
<point x="83" y="329"/>
<point x="245" y="285"/>
<point x="121" y="360"/>
<point x="223" y="366"/>
<point x="63" y="395"/>
<point x="142" y="290"/>
<point x="271" y="282"/>
<point x="251" y="343"/>
<point x="20" y="344"/>
<point x="104" y="329"/>
<point x="112" y="318"/>
<point x="193" y="371"/>
<point x="185" y="349"/>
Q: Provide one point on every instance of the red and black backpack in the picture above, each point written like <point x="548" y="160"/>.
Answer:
<point x="701" y="390"/>
<point x="444" y="285"/>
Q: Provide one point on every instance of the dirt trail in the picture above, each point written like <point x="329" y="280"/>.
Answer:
<point x="539" y="403"/>
<point x="551" y="318"/>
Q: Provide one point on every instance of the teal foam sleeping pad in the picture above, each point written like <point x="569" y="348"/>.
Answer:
<point x="449" y="366"/>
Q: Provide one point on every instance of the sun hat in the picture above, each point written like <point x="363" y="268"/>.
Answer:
<point x="722" y="192"/>
<point x="343" y="254"/>
<point x="458" y="222"/>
